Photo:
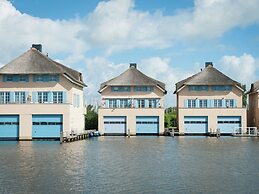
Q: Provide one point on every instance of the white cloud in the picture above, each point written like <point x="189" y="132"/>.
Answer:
<point x="18" y="31"/>
<point x="163" y="69"/>
<point x="117" y="25"/>
<point x="241" y="68"/>
<point x="98" y="70"/>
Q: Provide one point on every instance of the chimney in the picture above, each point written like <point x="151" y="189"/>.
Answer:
<point x="208" y="64"/>
<point x="37" y="46"/>
<point x="133" y="65"/>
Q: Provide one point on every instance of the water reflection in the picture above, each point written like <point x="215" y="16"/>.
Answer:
<point x="131" y="165"/>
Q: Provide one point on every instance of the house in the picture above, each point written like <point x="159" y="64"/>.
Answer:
<point x="131" y="103"/>
<point x="209" y="100"/>
<point x="39" y="97"/>
<point x="253" y="111"/>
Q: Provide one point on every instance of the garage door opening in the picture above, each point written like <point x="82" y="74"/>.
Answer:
<point x="196" y="125"/>
<point x="227" y="124"/>
<point x="47" y="126"/>
<point x="115" y="125"/>
<point x="9" y="127"/>
<point x="147" y="125"/>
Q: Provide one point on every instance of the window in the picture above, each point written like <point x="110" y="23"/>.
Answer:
<point x="76" y="102"/>
<point x="191" y="103"/>
<point x="203" y="103"/>
<point x="198" y="88"/>
<point x="120" y="88"/>
<point x="143" y="88"/>
<point x="141" y="103"/>
<point x="57" y="97"/>
<point x="112" y="103"/>
<point x="20" y="97"/>
<point x="15" y="78"/>
<point x="53" y="78"/>
<point x="221" y="88"/>
<point x="152" y="103"/>
<point x="46" y="78"/>
<point x="218" y="103"/>
<point x="230" y="103"/>
<point x="4" y="97"/>
<point x="124" y="103"/>
<point x="42" y="97"/>
<point x="38" y="78"/>
<point x="23" y="78"/>
<point x="9" y="78"/>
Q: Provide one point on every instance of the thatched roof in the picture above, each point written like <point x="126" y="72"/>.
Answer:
<point x="34" y="62"/>
<point x="208" y="76"/>
<point x="133" y="77"/>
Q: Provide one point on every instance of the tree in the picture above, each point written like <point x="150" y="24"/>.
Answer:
<point x="170" y="117"/>
<point x="244" y="96"/>
<point x="91" y="118"/>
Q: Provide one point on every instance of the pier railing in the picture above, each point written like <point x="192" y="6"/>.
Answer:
<point x="246" y="131"/>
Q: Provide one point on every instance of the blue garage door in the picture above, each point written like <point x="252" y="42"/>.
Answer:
<point x="147" y="125"/>
<point x="9" y="126"/>
<point x="47" y="126"/>
<point x="227" y="124"/>
<point x="196" y="124"/>
<point x="114" y="125"/>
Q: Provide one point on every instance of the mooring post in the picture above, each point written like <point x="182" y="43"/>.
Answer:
<point x="61" y="137"/>
<point x="128" y="132"/>
<point x="172" y="132"/>
<point x="218" y="132"/>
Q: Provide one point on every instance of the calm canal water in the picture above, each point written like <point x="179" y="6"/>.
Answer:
<point x="131" y="165"/>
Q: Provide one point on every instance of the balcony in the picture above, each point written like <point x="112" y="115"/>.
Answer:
<point x="131" y="104"/>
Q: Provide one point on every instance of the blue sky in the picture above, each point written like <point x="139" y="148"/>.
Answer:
<point x="168" y="39"/>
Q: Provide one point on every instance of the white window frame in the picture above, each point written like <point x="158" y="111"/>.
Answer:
<point x="57" y="97"/>
<point x="141" y="103"/>
<point x="218" y="103"/>
<point x="20" y="97"/>
<point x="5" y="97"/>
<point x="203" y="103"/>
<point x="42" y="97"/>
<point x="191" y="103"/>
<point x="230" y="103"/>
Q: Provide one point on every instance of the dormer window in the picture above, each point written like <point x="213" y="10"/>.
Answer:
<point x="198" y="88"/>
<point x="9" y="78"/>
<point x="120" y="88"/>
<point x="221" y="88"/>
<point x="143" y="88"/>
<point x="46" y="78"/>
<point x="15" y="78"/>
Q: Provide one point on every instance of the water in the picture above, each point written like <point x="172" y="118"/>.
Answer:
<point x="131" y="165"/>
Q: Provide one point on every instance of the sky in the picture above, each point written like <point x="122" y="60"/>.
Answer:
<point x="168" y="39"/>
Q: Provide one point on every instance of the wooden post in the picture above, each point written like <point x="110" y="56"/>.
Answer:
<point x="61" y="137"/>
<point x="218" y="132"/>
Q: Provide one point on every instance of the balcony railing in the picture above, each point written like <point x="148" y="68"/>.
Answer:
<point x="245" y="131"/>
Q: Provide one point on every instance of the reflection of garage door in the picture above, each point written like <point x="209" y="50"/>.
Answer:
<point x="196" y="124"/>
<point x="47" y="126"/>
<point x="115" y="125"/>
<point x="9" y="126"/>
<point x="227" y="124"/>
<point x="147" y="125"/>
